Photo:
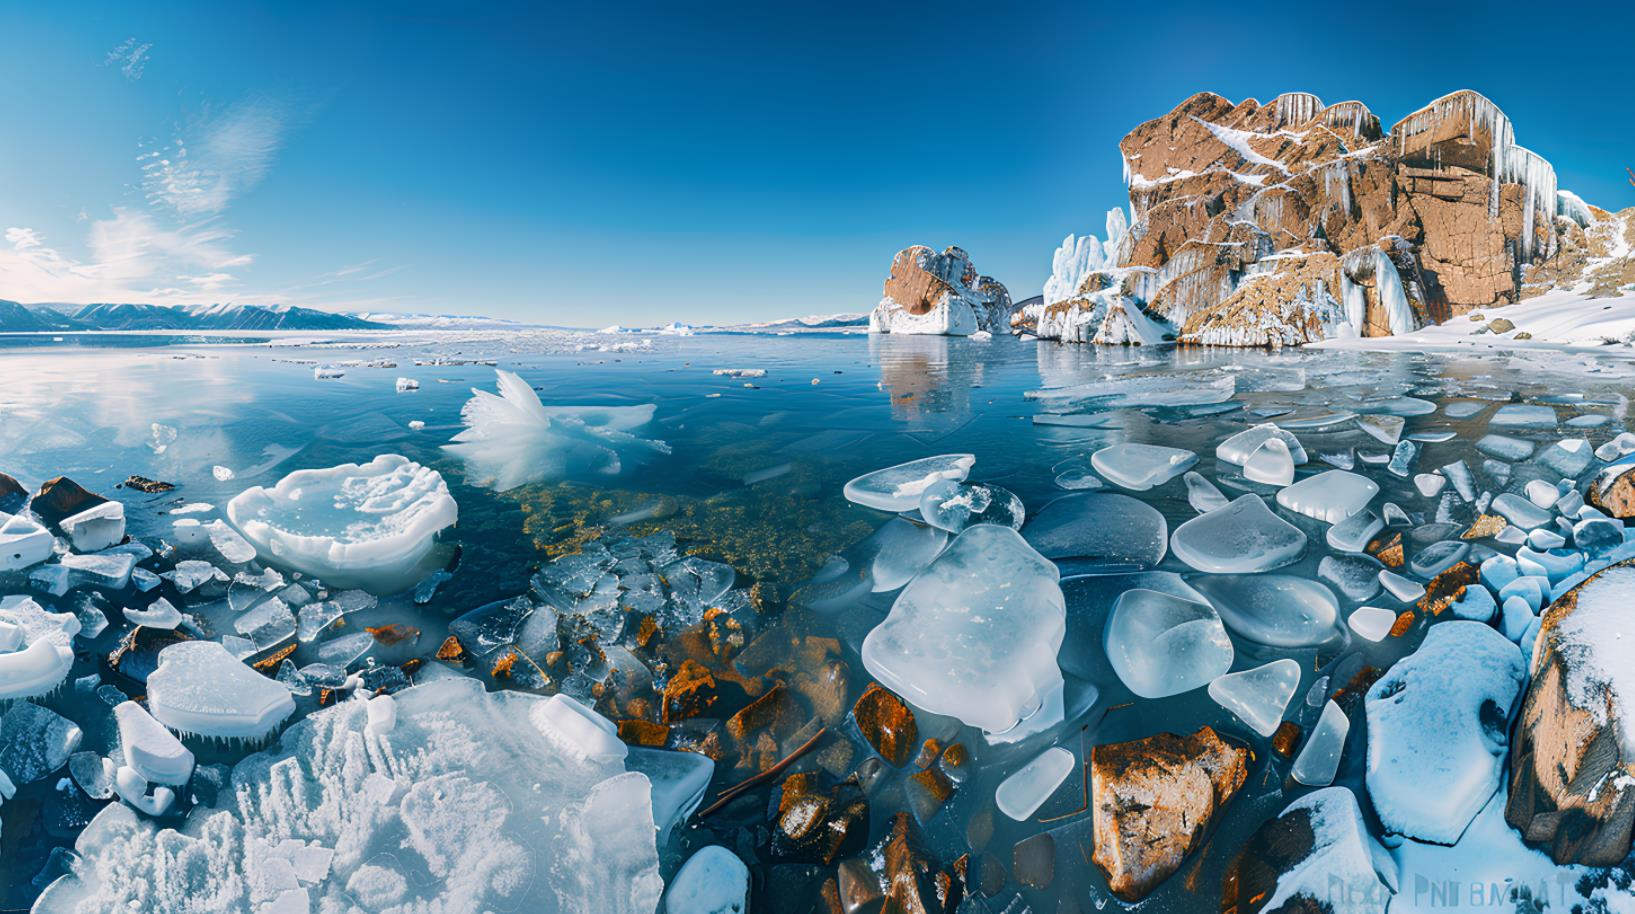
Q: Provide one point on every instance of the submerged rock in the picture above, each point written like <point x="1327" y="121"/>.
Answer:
<point x="1154" y="800"/>
<point x="887" y="724"/>
<point x="1572" y="762"/>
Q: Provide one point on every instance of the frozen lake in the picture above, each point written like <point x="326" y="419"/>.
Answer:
<point x="753" y="480"/>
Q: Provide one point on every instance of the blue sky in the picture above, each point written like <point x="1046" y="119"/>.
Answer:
<point x="638" y="162"/>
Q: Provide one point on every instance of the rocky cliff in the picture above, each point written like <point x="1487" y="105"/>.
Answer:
<point x="1295" y="221"/>
<point x="931" y="293"/>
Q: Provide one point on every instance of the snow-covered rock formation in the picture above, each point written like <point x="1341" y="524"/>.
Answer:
<point x="940" y="294"/>
<point x="1295" y="221"/>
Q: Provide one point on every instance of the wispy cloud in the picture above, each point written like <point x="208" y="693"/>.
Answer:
<point x="130" y="56"/>
<point x="131" y="258"/>
<point x="228" y="154"/>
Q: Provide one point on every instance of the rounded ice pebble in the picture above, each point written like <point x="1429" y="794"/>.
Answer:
<point x="1100" y="528"/>
<point x="199" y="688"/>
<point x="1258" y="696"/>
<point x="1271" y="463"/>
<point x="712" y="881"/>
<point x="1244" y="536"/>
<point x="1371" y="623"/>
<point x="1281" y="610"/>
<point x="952" y="506"/>
<point x="1141" y="466"/>
<point x="899" y="488"/>
<point x="355" y="525"/>
<point x="1330" y="496"/>
<point x="1163" y="645"/>
<point x="1022" y="793"/>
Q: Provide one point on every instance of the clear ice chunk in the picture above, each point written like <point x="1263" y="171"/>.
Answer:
<point x="1354" y="533"/>
<point x="1236" y="449"/>
<point x="1271" y="463"/>
<point x="1281" y="610"/>
<point x="1202" y="494"/>
<point x="1102" y="528"/>
<point x="975" y="636"/>
<point x="1356" y="577"/>
<point x="161" y="613"/>
<point x="1330" y="496"/>
<point x="35" y="741"/>
<point x="1021" y="794"/>
<point x="1319" y="759"/>
<point x="1385" y="429"/>
<point x="1242" y="537"/>
<point x="1139" y="467"/>
<point x="1505" y="447"/>
<point x="952" y="506"/>
<point x="1258" y="696"/>
<point x="1371" y="623"/>
<point x="1161" y="645"/>
<point x="1520" y="415"/>
<point x="1520" y="511"/>
<point x="900" y="487"/>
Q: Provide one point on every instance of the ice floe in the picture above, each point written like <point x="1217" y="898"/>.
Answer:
<point x="1244" y="536"/>
<point x="900" y="488"/>
<point x="1160" y="644"/>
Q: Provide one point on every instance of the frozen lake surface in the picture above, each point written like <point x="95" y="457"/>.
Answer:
<point x="771" y="586"/>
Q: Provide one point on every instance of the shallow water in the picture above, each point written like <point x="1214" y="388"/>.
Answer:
<point x="830" y="407"/>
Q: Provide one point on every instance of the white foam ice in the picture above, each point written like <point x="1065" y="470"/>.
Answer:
<point x="1160" y="644"/>
<point x="465" y="804"/>
<point x="365" y="525"/>
<point x="1438" y="730"/>
<point x="39" y="647"/>
<point x="900" y="487"/>
<point x="513" y="439"/>
<point x="1258" y="696"/>
<point x="1242" y="537"/>
<point x="199" y="688"/>
<point x="975" y="635"/>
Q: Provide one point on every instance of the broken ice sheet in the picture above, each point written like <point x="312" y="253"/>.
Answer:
<point x="41" y="647"/>
<point x="900" y="487"/>
<point x="1244" y="536"/>
<point x="426" y="814"/>
<point x="1161" y="644"/>
<point x="1104" y="529"/>
<point x="975" y="636"/>
<point x="1281" y="610"/>
<point x="1258" y="696"/>
<point x="1141" y="466"/>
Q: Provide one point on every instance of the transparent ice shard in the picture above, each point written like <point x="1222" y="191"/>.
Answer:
<point x="1161" y="645"/>
<point x="1258" y="696"/>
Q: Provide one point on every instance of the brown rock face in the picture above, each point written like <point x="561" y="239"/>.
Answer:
<point x="1154" y="799"/>
<point x="1262" y="225"/>
<point x="1572" y="783"/>
<point x="915" y="283"/>
<point x="922" y="281"/>
<point x="62" y="497"/>
<point x="12" y="494"/>
<point x="1613" y="491"/>
<point x="886" y="723"/>
<point x="816" y="821"/>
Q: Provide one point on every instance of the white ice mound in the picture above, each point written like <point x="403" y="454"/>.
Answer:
<point x="36" y="647"/>
<point x="1330" y="496"/>
<point x="899" y="488"/>
<point x="150" y="750"/>
<point x="463" y="805"/>
<point x="355" y="525"/>
<point x="1242" y="537"/>
<point x="22" y="542"/>
<point x="975" y="636"/>
<point x="511" y="439"/>
<point x="199" y="688"/>
<point x="1438" y="730"/>
<point x="1160" y="644"/>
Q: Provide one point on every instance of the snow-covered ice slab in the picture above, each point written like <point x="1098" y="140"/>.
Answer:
<point x="199" y="688"/>
<point x="355" y="525"/>
<point x="39" y="647"/>
<point x="22" y="542"/>
<point x="975" y="636"/>
<point x="97" y="527"/>
<point x="1437" y="730"/>
<point x="1330" y="496"/>
<point x="1242" y="537"/>
<point x="1160" y="644"/>
<point x="1282" y="610"/>
<point x="1258" y="696"/>
<point x="463" y="804"/>
<point x="899" y="488"/>
<point x="513" y="439"/>
<point x="1141" y="466"/>
<point x="150" y="750"/>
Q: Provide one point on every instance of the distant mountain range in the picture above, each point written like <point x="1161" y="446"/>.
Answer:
<point x="49" y="317"/>
<point x="19" y="318"/>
